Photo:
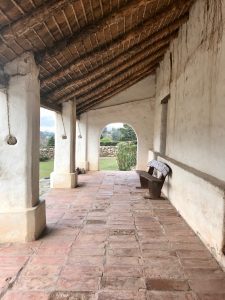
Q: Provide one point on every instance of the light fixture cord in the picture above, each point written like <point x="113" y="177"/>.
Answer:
<point x="63" y="125"/>
<point x="8" y="118"/>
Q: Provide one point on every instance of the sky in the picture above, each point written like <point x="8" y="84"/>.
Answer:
<point x="47" y="121"/>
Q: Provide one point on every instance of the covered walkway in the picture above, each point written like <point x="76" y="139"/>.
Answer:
<point x="105" y="241"/>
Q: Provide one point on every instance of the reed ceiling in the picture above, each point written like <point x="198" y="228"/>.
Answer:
<point x="89" y="49"/>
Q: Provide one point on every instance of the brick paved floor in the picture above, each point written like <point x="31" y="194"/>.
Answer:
<point x="105" y="241"/>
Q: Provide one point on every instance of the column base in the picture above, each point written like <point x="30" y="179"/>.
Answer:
<point x="63" y="180"/>
<point x="23" y="225"/>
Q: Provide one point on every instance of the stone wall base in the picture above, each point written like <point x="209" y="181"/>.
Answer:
<point x="63" y="180"/>
<point x="23" y="225"/>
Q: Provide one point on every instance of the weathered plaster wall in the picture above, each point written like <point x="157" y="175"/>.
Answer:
<point x="135" y="109"/>
<point x="193" y="73"/>
<point x="196" y="127"/>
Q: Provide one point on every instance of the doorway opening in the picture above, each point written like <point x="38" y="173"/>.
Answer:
<point x="118" y="148"/>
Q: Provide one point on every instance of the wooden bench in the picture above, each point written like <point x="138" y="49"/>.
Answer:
<point x="154" y="178"/>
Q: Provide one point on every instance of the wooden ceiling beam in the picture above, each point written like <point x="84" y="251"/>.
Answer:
<point x="99" y="71"/>
<point x="148" y="28"/>
<point x="33" y="18"/>
<point x="51" y="106"/>
<point x="122" y="69"/>
<point x="160" y="47"/>
<point x="118" y="88"/>
<point x="4" y="79"/>
<point x="112" y="18"/>
<point x="137" y="68"/>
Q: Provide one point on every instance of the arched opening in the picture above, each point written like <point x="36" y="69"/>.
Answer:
<point x="117" y="147"/>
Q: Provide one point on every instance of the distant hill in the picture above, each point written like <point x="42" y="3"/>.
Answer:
<point x="44" y="137"/>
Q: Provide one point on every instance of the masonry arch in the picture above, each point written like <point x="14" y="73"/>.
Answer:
<point x="136" y="117"/>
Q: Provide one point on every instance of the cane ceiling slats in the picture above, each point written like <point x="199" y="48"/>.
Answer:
<point x="89" y="49"/>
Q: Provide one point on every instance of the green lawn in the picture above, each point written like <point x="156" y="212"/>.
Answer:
<point x="46" y="167"/>
<point x="108" y="164"/>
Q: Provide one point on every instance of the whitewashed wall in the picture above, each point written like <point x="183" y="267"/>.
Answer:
<point x="193" y="73"/>
<point x="135" y="106"/>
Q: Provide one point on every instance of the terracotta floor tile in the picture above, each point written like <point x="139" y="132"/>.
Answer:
<point x="122" y="260"/>
<point x="123" y="271"/>
<point x="213" y="296"/>
<point x="76" y="272"/>
<point x="167" y="284"/>
<point x="104" y="241"/>
<point x="204" y="273"/>
<point x="36" y="283"/>
<point x="210" y="286"/>
<point x="17" y="295"/>
<point x="121" y="295"/>
<point x="171" y="296"/>
<point x="122" y="283"/>
<point x="135" y="252"/>
<point x="80" y="284"/>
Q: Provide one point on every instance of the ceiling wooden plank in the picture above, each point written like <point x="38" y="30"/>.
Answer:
<point x="145" y="64"/>
<point x="115" y="16"/>
<point x="160" y="47"/>
<point x="120" y="87"/>
<point x="33" y="18"/>
<point x="122" y="69"/>
<point x="99" y="70"/>
<point x="96" y="54"/>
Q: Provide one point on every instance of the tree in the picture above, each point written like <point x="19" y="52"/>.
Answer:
<point x="128" y="134"/>
<point x="104" y="133"/>
<point x="116" y="134"/>
<point x="51" y="141"/>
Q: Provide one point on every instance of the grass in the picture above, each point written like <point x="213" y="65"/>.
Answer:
<point x="105" y="164"/>
<point x="46" y="167"/>
<point x="108" y="164"/>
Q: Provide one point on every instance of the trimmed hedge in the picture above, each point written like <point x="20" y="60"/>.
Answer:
<point x="102" y="143"/>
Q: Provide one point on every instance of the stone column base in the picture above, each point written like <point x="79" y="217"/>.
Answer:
<point x="23" y="225"/>
<point x="63" y="180"/>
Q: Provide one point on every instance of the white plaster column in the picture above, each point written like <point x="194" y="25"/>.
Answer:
<point x="64" y="175"/>
<point x="22" y="215"/>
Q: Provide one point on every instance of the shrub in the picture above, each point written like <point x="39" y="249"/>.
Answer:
<point x="106" y="141"/>
<point x="43" y="157"/>
<point x="126" y="155"/>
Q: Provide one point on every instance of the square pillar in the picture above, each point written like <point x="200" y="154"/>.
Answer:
<point x="22" y="215"/>
<point x="64" y="175"/>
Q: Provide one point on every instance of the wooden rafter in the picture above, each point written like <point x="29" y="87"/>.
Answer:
<point x="122" y="57"/>
<point x="3" y="78"/>
<point x="88" y="49"/>
<point x="149" y="28"/>
<point x="51" y="106"/>
<point x="120" y="77"/>
<point x="116" y="89"/>
<point x="35" y="17"/>
<point x="114" y="17"/>
<point x="134" y="60"/>
<point x="122" y="69"/>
